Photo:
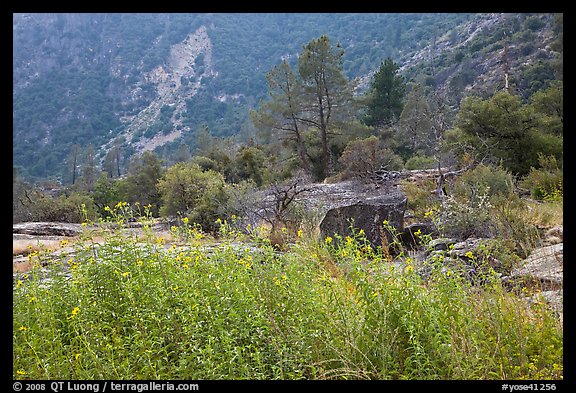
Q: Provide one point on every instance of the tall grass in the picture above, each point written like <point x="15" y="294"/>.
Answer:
<point x="138" y="308"/>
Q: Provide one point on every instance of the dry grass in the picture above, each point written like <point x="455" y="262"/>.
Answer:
<point x="546" y="214"/>
<point x="26" y="246"/>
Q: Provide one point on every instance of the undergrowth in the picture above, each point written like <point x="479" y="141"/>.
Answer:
<point x="136" y="307"/>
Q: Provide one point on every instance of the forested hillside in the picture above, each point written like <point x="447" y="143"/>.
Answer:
<point x="288" y="196"/>
<point x="120" y="84"/>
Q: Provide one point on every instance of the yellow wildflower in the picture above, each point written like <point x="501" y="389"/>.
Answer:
<point x="328" y="240"/>
<point x="18" y="283"/>
<point x="469" y="255"/>
<point x="21" y="372"/>
<point x="125" y="274"/>
<point x="21" y="328"/>
<point x="75" y="312"/>
<point x="299" y="233"/>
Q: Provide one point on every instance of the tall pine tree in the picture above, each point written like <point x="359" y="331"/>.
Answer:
<point x="386" y="97"/>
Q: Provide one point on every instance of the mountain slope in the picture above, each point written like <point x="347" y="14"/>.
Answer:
<point x="149" y="81"/>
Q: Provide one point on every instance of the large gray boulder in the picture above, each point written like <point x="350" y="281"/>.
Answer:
<point x="367" y="214"/>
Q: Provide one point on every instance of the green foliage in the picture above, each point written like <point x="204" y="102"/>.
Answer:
<point x="199" y="310"/>
<point x="546" y="182"/>
<point x="187" y="190"/>
<point x="140" y="183"/>
<point x="205" y="163"/>
<point x="421" y="196"/>
<point x="515" y="226"/>
<point x="536" y="76"/>
<point x="509" y="129"/>
<point x="328" y="92"/>
<point x="420" y="162"/>
<point x="278" y="117"/>
<point x="61" y="208"/>
<point x="306" y="109"/>
<point x="485" y="205"/>
<point x="548" y="105"/>
<point x="485" y="179"/>
<point x="534" y="23"/>
<point x="106" y="193"/>
<point x="461" y="218"/>
<point x="249" y="164"/>
<point x="386" y="95"/>
<point x="80" y="74"/>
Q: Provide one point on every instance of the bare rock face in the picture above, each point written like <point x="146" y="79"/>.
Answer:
<point x="554" y="235"/>
<point x="545" y="265"/>
<point x="47" y="229"/>
<point x="544" y="269"/>
<point x="368" y="214"/>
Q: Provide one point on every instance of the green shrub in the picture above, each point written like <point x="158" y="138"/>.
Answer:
<point x="62" y="208"/>
<point x="484" y="179"/>
<point x="420" y="162"/>
<point x="514" y="226"/>
<point x="188" y="190"/>
<point x="420" y="195"/>
<point x="546" y="182"/>
<point x="461" y="218"/>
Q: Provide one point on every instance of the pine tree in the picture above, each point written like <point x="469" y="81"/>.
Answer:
<point x="386" y="99"/>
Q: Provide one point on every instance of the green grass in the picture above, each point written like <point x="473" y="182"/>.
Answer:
<point x="137" y="308"/>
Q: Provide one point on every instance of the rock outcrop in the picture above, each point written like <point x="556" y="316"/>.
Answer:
<point x="368" y="214"/>
<point x="47" y="229"/>
<point x="543" y="273"/>
<point x="544" y="268"/>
